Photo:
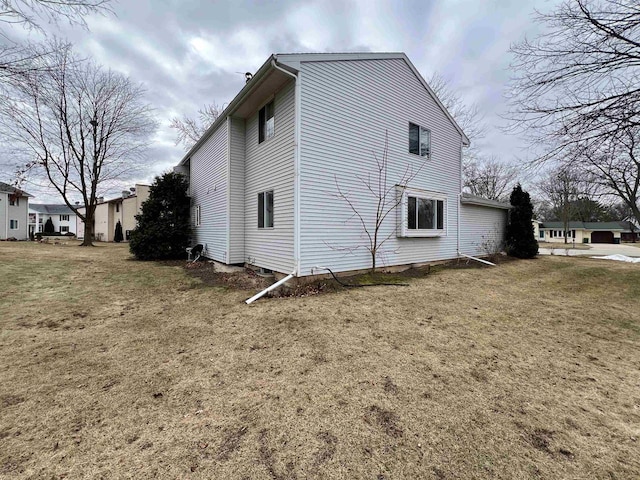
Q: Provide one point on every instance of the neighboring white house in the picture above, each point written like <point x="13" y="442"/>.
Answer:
<point x="14" y="212"/>
<point x="62" y="217"/>
<point x="264" y="178"/>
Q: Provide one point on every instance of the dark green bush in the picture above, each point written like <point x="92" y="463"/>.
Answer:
<point x="164" y="224"/>
<point x="48" y="226"/>
<point x="117" y="236"/>
<point x="521" y="242"/>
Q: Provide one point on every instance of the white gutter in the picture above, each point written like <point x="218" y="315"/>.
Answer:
<point x="296" y="166"/>
<point x="477" y="259"/>
<point x="268" y="289"/>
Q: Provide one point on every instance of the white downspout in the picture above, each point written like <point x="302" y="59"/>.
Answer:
<point x="459" y="202"/>
<point x="268" y="289"/>
<point x="296" y="169"/>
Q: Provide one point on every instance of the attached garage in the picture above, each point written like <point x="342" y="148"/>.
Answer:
<point x="483" y="225"/>
<point x="602" y="236"/>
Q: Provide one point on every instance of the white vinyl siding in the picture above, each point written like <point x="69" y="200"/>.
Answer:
<point x="270" y="166"/>
<point x="482" y="228"/>
<point x="236" y="193"/>
<point x="347" y="107"/>
<point x="208" y="183"/>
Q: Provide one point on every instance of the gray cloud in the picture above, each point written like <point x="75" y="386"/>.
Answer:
<point x="188" y="53"/>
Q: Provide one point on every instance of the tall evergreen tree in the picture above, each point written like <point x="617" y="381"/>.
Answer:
<point x="164" y="224"/>
<point x="48" y="226"/>
<point x="520" y="240"/>
<point x="117" y="236"/>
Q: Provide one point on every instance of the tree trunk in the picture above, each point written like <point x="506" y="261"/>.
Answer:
<point x="88" y="232"/>
<point x="373" y="262"/>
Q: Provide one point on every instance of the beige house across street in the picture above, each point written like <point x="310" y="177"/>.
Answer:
<point x="582" y="232"/>
<point x="109" y="212"/>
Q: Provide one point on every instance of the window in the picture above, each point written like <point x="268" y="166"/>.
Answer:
<point x="265" y="209"/>
<point x="419" y="140"/>
<point x="64" y="218"/>
<point x="117" y="208"/>
<point x="266" y="122"/>
<point x="13" y="224"/>
<point x="541" y="233"/>
<point x="197" y="216"/>
<point x="14" y="201"/>
<point x="64" y="228"/>
<point x="422" y="213"/>
<point x="40" y="228"/>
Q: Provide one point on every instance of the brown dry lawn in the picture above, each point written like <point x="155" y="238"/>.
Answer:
<point x="111" y="368"/>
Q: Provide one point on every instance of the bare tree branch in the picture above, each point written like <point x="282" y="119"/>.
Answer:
<point x="75" y="124"/>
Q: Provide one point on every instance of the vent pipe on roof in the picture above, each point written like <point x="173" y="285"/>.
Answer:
<point x="248" y="76"/>
<point x="125" y="193"/>
<point x="100" y="199"/>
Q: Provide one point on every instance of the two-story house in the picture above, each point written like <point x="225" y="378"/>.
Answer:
<point x="14" y="212"/>
<point x="62" y="218"/>
<point x="265" y="179"/>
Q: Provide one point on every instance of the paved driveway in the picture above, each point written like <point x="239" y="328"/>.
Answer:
<point x="596" y="250"/>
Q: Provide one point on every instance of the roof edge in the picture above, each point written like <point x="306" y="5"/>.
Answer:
<point x="469" y="199"/>
<point x="233" y="105"/>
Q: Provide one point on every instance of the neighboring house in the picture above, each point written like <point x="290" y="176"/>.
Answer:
<point x="108" y="212"/>
<point x="581" y="232"/>
<point x="14" y="212"/>
<point x="62" y="217"/>
<point x="630" y="232"/>
<point x="263" y="176"/>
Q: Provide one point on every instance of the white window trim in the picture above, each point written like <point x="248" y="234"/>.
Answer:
<point x="403" y="229"/>
<point x="420" y="127"/>
<point x="273" y="211"/>
<point x="198" y="216"/>
<point x="271" y="99"/>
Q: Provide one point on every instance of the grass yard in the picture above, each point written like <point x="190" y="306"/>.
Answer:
<point x="116" y="368"/>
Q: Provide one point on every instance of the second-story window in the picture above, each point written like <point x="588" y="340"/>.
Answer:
<point x="266" y="122"/>
<point x="64" y="218"/>
<point x="419" y="140"/>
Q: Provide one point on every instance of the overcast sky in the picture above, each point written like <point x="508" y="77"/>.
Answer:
<point x="188" y="53"/>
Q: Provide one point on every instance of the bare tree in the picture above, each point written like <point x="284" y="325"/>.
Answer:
<point x="190" y="130"/>
<point x="468" y="116"/>
<point x="384" y="194"/>
<point x="77" y="125"/>
<point x="563" y="188"/>
<point x="614" y="165"/>
<point x="577" y="92"/>
<point x="16" y="57"/>
<point x="489" y="178"/>
<point x="31" y="13"/>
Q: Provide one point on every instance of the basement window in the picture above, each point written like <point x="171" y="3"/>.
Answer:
<point x="64" y="228"/>
<point x="266" y="122"/>
<point x="419" y="140"/>
<point x="265" y="209"/>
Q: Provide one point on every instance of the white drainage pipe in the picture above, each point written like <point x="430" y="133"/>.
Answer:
<point x="271" y="287"/>
<point x="477" y="259"/>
